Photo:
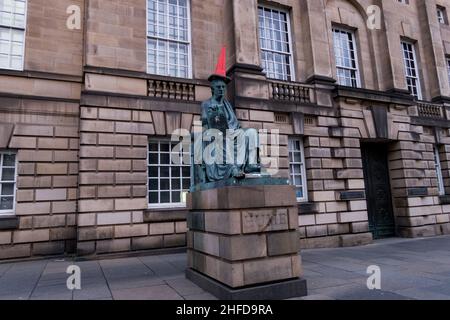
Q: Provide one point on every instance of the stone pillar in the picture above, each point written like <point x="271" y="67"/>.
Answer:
<point x="243" y="241"/>
<point x="319" y="68"/>
<point x="433" y="45"/>
<point x="246" y="32"/>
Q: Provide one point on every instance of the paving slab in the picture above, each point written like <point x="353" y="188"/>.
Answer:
<point x="410" y="269"/>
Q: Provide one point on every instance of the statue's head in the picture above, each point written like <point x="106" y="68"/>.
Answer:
<point x="218" y="88"/>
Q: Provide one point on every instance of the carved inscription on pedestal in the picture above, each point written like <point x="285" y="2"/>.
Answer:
<point x="254" y="221"/>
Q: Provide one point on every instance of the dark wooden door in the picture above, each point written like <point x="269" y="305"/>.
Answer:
<point x="378" y="190"/>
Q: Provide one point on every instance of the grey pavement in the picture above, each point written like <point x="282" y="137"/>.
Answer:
<point x="410" y="269"/>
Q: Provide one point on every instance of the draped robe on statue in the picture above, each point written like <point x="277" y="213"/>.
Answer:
<point x="244" y="142"/>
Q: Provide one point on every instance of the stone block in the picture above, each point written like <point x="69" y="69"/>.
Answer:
<point x="51" y="194"/>
<point x="15" y="251"/>
<point x="293" y="218"/>
<point x="326" y="218"/>
<point x="174" y="240"/>
<point x="95" y="205"/>
<point x="63" y="233"/>
<point x="51" y="168"/>
<point x="31" y="236"/>
<point x="230" y="274"/>
<point x="86" y="219"/>
<point x="282" y="243"/>
<point x="85" y="248"/>
<point x="32" y="208"/>
<point x="5" y="237"/>
<point x="130" y="204"/>
<point x="207" y="243"/>
<point x="131" y="231"/>
<point x="53" y="143"/>
<point x="335" y="229"/>
<point x="145" y="243"/>
<point x="111" y="218"/>
<point x="354" y="216"/>
<point x="196" y="221"/>
<point x="225" y="222"/>
<point x="116" y="245"/>
<point x="180" y="227"/>
<point x="162" y="228"/>
<point x="316" y="231"/>
<point x="263" y="220"/>
<point x="351" y="240"/>
<point x="359" y="227"/>
<point x="114" y="139"/>
<point x="64" y="207"/>
<point x="306" y="220"/>
<point x="236" y="248"/>
<point x="49" y="248"/>
<point x="272" y="269"/>
<point x="318" y="243"/>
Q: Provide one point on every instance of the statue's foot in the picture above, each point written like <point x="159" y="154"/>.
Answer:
<point x="238" y="174"/>
<point x="253" y="168"/>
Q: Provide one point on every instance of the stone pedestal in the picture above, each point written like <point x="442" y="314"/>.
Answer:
<point x="243" y="241"/>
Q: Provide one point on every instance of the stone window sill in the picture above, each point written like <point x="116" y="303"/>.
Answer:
<point x="165" y="215"/>
<point x="9" y="222"/>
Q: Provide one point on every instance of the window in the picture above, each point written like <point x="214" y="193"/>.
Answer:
<point x="346" y="58"/>
<point x="7" y="182"/>
<point x="276" y="49"/>
<point x="297" y="168"/>
<point x="169" y="38"/>
<point x="12" y="33"/>
<point x="437" y="163"/>
<point x="448" y="68"/>
<point x="411" y="69"/>
<point x="168" y="182"/>
<point x="441" y="14"/>
<point x="404" y="1"/>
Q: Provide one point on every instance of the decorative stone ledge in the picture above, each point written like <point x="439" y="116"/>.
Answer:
<point x="395" y="97"/>
<point x="9" y="223"/>
<point x="417" y="192"/>
<point x="352" y="195"/>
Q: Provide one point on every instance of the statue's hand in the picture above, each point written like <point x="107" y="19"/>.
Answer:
<point x="238" y="174"/>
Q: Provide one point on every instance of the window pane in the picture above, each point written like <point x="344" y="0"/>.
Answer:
<point x="168" y="23"/>
<point x="8" y="174"/>
<point x="297" y="177"/>
<point x="9" y="160"/>
<point x="7" y="180"/>
<point x="166" y="179"/>
<point x="6" y="203"/>
<point x="274" y="39"/>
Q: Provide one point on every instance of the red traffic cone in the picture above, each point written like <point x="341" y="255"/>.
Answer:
<point x="220" y="72"/>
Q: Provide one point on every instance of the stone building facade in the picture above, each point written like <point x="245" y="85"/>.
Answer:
<point x="358" y="89"/>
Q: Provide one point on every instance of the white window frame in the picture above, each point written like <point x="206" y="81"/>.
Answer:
<point x="441" y="15"/>
<point x="188" y="43"/>
<point x="304" y="185"/>
<point x="437" y="164"/>
<point x="448" y="68"/>
<point x="355" y="53"/>
<point x="12" y="211"/>
<point x="24" y="30"/>
<point x="416" y="65"/>
<point x="160" y="205"/>
<point x="291" y="48"/>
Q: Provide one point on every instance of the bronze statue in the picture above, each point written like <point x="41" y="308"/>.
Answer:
<point x="233" y="150"/>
